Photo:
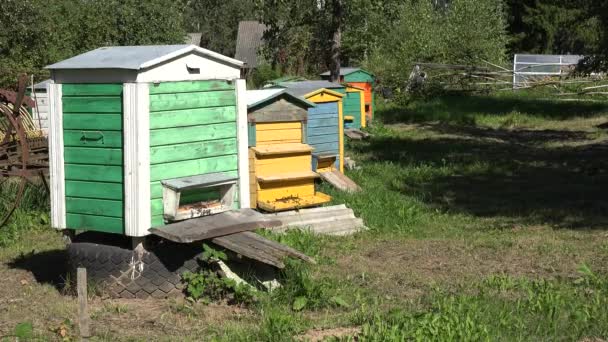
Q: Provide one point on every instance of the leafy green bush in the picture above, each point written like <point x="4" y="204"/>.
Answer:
<point x="207" y="285"/>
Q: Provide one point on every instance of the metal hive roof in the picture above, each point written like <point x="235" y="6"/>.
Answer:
<point x="135" y="57"/>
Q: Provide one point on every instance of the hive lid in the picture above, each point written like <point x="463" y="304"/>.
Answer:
<point x="135" y="57"/>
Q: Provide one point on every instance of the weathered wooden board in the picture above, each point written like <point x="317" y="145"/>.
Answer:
<point x="92" y="138"/>
<point x="192" y="117"/>
<point x="98" y="89"/>
<point x="92" y="104"/>
<point x="193" y="167"/>
<point x="93" y="156"/>
<point x="180" y="135"/>
<point x="208" y="227"/>
<point x="178" y="101"/>
<point x="189" y="87"/>
<point x="97" y="223"/>
<point x="195" y="150"/>
<point x="95" y="173"/>
<point x="96" y="190"/>
<point x="278" y="111"/>
<point x="92" y="121"/>
<point x="340" y="181"/>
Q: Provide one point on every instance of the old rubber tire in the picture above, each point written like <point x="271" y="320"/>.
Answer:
<point x="114" y="268"/>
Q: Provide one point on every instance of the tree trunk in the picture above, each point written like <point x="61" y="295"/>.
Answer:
<point x="334" y="63"/>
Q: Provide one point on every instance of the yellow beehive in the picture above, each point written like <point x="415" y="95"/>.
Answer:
<point x="280" y="160"/>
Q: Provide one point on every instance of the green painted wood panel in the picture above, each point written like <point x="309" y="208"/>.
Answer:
<point x="193" y="167"/>
<point x="189" y="87"/>
<point x="97" y="223"/>
<point x="93" y="156"/>
<point x="97" y="207"/>
<point x="92" y="104"/>
<point x="93" y="143"/>
<point x="111" y="122"/>
<point x="158" y="220"/>
<point x="96" y="89"/>
<point x="156" y="188"/>
<point x="157" y="207"/>
<point x="95" y="138"/>
<point x="192" y="117"/>
<point x="196" y="150"/>
<point x="171" y="136"/>
<point x="97" y="190"/>
<point x="163" y="102"/>
<point x="94" y="173"/>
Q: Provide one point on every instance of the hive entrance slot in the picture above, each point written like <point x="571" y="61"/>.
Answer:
<point x="196" y="196"/>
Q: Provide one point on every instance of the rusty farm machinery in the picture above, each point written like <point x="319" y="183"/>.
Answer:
<point x="24" y="156"/>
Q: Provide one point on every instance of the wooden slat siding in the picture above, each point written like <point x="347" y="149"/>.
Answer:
<point x="172" y="136"/>
<point x="97" y="223"/>
<point x="91" y="89"/>
<point x="84" y="138"/>
<point x="192" y="132"/>
<point x="323" y="132"/>
<point x="189" y="87"/>
<point x="96" y="121"/>
<point x="92" y="122"/>
<point x="92" y="156"/>
<point x="352" y="106"/>
<point x="96" y="190"/>
<point x="192" y="117"/>
<point x="196" y="150"/>
<point x="95" y="207"/>
<point x="278" y="164"/>
<point x="179" y="101"/>
<point x="358" y="76"/>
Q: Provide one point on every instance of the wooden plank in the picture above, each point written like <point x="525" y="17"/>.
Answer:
<point x="316" y="131"/>
<point x="99" y="89"/>
<point x="189" y="87"/>
<point x="285" y="136"/>
<point x="158" y="221"/>
<point x="97" y="223"/>
<point x="178" y="101"/>
<point x="97" y="190"/>
<point x="340" y="181"/>
<point x="272" y="192"/>
<point x="99" y="173"/>
<point x="193" y="167"/>
<point x="171" y="136"/>
<point x="268" y="150"/>
<point x="329" y="122"/>
<point x="327" y="147"/>
<point x="196" y="150"/>
<point x="192" y="117"/>
<point x="282" y="164"/>
<point x="92" y="104"/>
<point x="277" y="116"/>
<point x="208" y="227"/>
<point x="230" y="242"/>
<point x="328" y="138"/>
<point x="156" y="207"/>
<point x="95" y="207"/>
<point x="83" y="306"/>
<point x="278" y="126"/>
<point x="272" y="244"/>
<point x="93" y="156"/>
<point x="92" y="122"/>
<point x="92" y="138"/>
<point x="287" y="177"/>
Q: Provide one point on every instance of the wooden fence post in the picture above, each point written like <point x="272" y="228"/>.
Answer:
<point x="83" y="308"/>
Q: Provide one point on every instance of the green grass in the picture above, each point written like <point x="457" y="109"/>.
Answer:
<point x="487" y="221"/>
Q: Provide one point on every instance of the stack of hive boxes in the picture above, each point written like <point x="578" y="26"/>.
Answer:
<point x="280" y="161"/>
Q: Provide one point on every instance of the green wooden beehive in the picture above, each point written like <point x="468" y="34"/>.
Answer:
<point x="143" y="135"/>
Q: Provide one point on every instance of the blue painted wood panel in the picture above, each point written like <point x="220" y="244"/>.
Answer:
<point x="323" y="132"/>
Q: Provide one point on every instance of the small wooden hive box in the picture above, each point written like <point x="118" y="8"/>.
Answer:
<point x="359" y="78"/>
<point x="280" y="159"/>
<point x="324" y="127"/>
<point x="144" y="135"/>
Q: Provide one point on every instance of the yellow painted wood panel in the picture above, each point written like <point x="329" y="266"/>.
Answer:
<point x="277" y="125"/>
<point x="253" y="184"/>
<point x="285" y="164"/>
<point x="276" y="191"/>
<point x="284" y="136"/>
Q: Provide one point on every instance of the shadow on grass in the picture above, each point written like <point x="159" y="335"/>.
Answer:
<point x="495" y="173"/>
<point x="464" y="109"/>
<point x="48" y="267"/>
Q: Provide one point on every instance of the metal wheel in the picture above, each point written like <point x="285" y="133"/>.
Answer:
<point x="23" y="150"/>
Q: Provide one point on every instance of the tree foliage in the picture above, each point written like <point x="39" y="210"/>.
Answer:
<point x="36" y="33"/>
<point x="464" y="32"/>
